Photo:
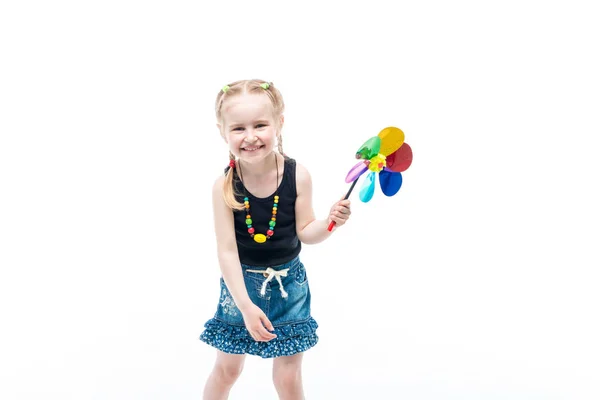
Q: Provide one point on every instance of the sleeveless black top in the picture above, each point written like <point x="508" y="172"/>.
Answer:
<point x="284" y="245"/>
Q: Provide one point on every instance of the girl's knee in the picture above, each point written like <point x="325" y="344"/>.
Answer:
<point x="287" y="376"/>
<point x="228" y="371"/>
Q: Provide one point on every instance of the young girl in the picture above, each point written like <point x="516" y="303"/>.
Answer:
<point x="262" y="214"/>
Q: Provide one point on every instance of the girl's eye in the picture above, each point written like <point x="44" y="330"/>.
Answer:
<point x="261" y="125"/>
<point x="239" y="128"/>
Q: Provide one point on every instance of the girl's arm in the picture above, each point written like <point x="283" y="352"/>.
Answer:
<point x="255" y="319"/>
<point x="309" y="229"/>
<point x="229" y="260"/>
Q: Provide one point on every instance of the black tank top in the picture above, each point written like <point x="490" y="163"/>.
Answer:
<point x="284" y="245"/>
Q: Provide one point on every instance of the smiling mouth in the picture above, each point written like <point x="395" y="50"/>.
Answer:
<point x="253" y="148"/>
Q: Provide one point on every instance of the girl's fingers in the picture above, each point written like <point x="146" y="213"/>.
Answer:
<point x="266" y="335"/>
<point x="342" y="214"/>
<point x="256" y="336"/>
<point x="267" y="324"/>
<point x="343" y="210"/>
<point x="265" y="327"/>
<point x="338" y="220"/>
<point x="261" y="334"/>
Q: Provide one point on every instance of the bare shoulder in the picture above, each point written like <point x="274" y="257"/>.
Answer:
<point x="303" y="178"/>
<point x="223" y="219"/>
<point x="218" y="184"/>
<point x="217" y="194"/>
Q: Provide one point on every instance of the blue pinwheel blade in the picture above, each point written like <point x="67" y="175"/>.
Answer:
<point x="390" y="182"/>
<point x="368" y="188"/>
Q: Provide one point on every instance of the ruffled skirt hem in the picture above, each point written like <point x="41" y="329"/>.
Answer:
<point x="291" y="339"/>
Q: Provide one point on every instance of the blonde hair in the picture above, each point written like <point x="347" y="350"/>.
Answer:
<point x="251" y="86"/>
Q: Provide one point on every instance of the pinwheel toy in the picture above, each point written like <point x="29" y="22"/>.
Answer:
<point x="386" y="155"/>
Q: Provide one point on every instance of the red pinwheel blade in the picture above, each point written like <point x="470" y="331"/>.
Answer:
<point x="357" y="171"/>
<point x="368" y="188"/>
<point x="390" y="182"/>
<point x="400" y="160"/>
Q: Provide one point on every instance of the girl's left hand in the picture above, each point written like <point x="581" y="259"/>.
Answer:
<point x="340" y="212"/>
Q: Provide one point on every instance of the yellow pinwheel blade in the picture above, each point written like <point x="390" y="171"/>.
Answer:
<point x="391" y="140"/>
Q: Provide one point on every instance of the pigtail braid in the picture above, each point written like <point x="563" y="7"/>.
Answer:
<point x="228" y="193"/>
<point x="280" y="143"/>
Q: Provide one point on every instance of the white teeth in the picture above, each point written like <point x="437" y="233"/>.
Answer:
<point x="251" y="148"/>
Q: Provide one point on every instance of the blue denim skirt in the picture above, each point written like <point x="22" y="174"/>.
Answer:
<point x="285" y="301"/>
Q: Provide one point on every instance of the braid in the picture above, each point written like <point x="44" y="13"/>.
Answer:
<point x="280" y="143"/>
<point x="228" y="192"/>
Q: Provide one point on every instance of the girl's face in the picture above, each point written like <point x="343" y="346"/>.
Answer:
<point x="249" y="126"/>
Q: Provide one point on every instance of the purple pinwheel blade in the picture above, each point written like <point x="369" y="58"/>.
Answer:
<point x="357" y="171"/>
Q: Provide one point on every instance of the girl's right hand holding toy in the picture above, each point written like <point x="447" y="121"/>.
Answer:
<point x="257" y="323"/>
<point x="340" y="212"/>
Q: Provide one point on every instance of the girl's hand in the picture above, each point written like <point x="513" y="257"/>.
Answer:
<point x="257" y="324"/>
<point x="340" y="212"/>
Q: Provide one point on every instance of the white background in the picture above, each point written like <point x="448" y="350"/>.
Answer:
<point x="478" y="280"/>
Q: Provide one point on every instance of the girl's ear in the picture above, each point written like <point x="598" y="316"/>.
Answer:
<point x="219" y="127"/>
<point x="281" y="121"/>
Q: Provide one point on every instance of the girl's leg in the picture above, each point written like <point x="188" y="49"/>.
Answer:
<point x="287" y="377"/>
<point x="227" y="369"/>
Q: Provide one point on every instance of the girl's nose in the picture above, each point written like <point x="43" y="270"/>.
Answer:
<point x="251" y="137"/>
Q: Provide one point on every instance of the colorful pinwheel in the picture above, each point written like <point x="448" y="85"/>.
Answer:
<point x="385" y="154"/>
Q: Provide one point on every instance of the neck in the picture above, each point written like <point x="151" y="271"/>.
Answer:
<point x="261" y="167"/>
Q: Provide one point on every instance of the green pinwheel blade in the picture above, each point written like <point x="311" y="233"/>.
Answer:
<point x="369" y="149"/>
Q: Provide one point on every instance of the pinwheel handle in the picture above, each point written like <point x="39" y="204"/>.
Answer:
<point x="330" y="227"/>
<point x="332" y="223"/>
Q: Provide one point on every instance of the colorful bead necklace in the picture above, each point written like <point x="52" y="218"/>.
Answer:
<point x="259" y="237"/>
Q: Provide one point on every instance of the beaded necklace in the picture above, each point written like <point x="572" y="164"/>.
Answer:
<point x="259" y="237"/>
